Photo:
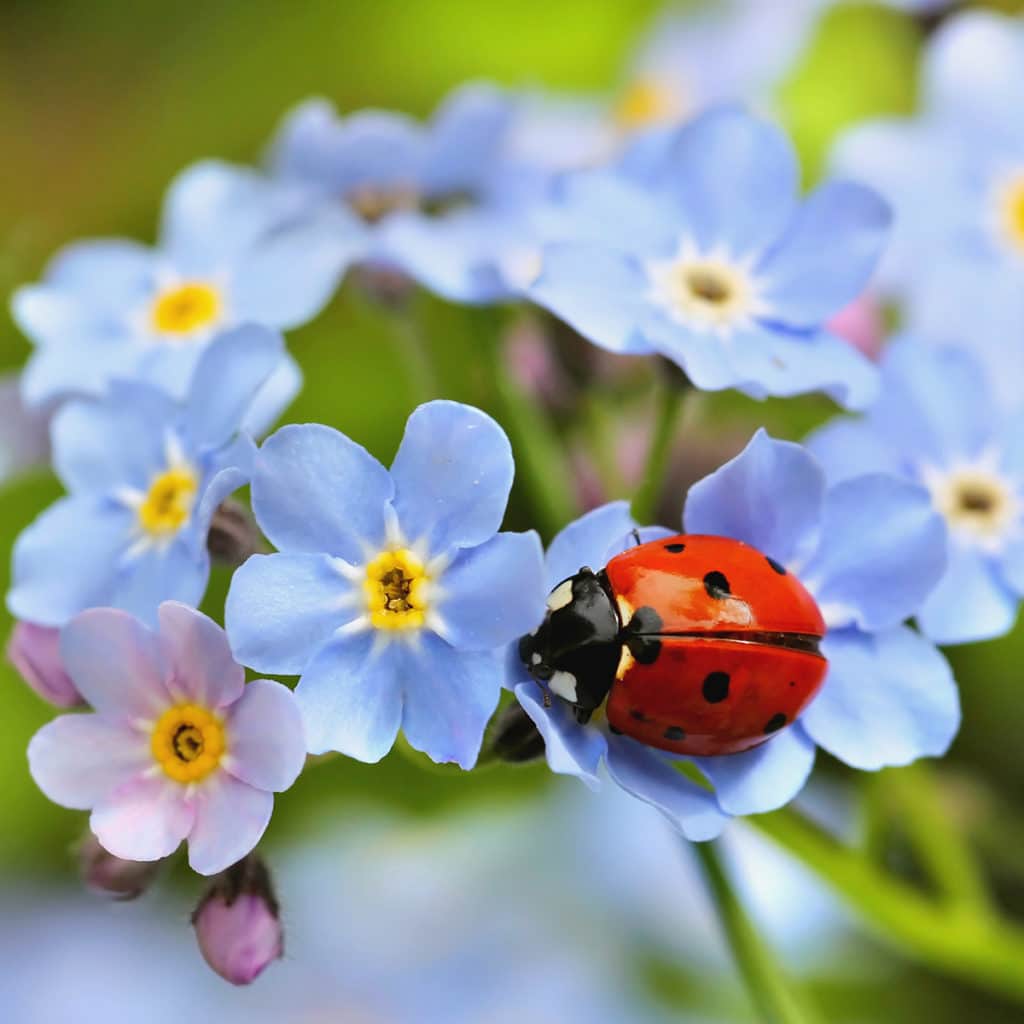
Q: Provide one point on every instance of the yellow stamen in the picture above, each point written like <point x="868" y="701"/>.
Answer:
<point x="186" y="308"/>
<point x="646" y="102"/>
<point x="188" y="742"/>
<point x="1014" y="212"/>
<point x="168" y="505"/>
<point x="975" y="501"/>
<point x="396" y="589"/>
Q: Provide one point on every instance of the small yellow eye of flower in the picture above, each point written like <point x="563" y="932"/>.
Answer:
<point x="1015" y="214"/>
<point x="396" y="589"/>
<point x="185" y="309"/>
<point x="188" y="742"/>
<point x="975" y="501"/>
<point x="646" y="102"/>
<point x="168" y="505"/>
<point x="708" y="285"/>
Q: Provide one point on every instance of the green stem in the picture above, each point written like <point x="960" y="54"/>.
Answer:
<point x="770" y="990"/>
<point x="975" y="947"/>
<point x="670" y="404"/>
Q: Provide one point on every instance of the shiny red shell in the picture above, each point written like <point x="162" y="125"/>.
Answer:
<point x="724" y="653"/>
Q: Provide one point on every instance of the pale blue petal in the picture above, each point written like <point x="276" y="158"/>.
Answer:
<point x="847" y="448"/>
<point x="601" y="293"/>
<point x="452" y="476"/>
<point x="178" y="573"/>
<point x="588" y="541"/>
<point x="283" y="608"/>
<point x="888" y="699"/>
<point x="651" y="777"/>
<point x="770" y="496"/>
<point x="493" y="593"/>
<point x="1012" y="565"/>
<point x="315" y="490"/>
<point x="279" y="390"/>
<point x="351" y="697"/>
<point x="449" y="698"/>
<point x="827" y="254"/>
<point x="702" y="355"/>
<point x="883" y="548"/>
<point x="89" y="535"/>
<point x="570" y="748"/>
<point x="115" y="272"/>
<point x="80" y="364"/>
<point x="971" y="601"/>
<point x="762" y="779"/>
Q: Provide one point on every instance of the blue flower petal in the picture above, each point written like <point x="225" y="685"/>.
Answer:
<point x="827" y="254"/>
<point x="847" y="448"/>
<point x="770" y="496"/>
<point x="315" y="490"/>
<point x="493" y="593"/>
<point x="113" y="274"/>
<point x="227" y="378"/>
<point x="588" y="541"/>
<point x="702" y="355"/>
<point x="971" y="601"/>
<point x="650" y="777"/>
<point x="279" y="390"/>
<point x="570" y="748"/>
<point x="283" y="608"/>
<point x="888" y="699"/>
<point x="449" y="698"/>
<point x="64" y="561"/>
<point x="452" y="476"/>
<point x="177" y="573"/>
<point x="762" y="779"/>
<point x="600" y="293"/>
<point x="351" y="697"/>
<point x="883" y="548"/>
<point x="736" y="177"/>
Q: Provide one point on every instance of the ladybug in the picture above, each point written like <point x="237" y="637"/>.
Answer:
<point x="695" y="644"/>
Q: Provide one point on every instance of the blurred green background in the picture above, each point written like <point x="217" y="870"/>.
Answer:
<point x="102" y="103"/>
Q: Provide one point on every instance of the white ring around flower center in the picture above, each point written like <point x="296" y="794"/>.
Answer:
<point x="978" y="503"/>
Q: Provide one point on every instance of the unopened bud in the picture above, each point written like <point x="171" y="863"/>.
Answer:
<point x="237" y="924"/>
<point x="35" y="652"/>
<point x="111" y="876"/>
<point x="513" y="736"/>
<point x="233" y="535"/>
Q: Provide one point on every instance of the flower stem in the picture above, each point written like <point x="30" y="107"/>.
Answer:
<point x="978" y="947"/>
<point x="670" y="404"/>
<point x="770" y="990"/>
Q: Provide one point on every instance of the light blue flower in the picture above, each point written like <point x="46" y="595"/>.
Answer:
<point x="428" y="193"/>
<point x="869" y="549"/>
<point x="234" y="248"/>
<point x="954" y="174"/>
<point x="709" y="259"/>
<point x="392" y="591"/>
<point x="144" y="475"/>
<point x="936" y="423"/>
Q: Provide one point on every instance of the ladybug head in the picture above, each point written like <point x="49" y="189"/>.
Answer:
<point x="575" y="651"/>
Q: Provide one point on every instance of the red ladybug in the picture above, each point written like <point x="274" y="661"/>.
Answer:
<point x="700" y="645"/>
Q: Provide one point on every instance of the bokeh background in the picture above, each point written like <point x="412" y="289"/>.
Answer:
<point x="412" y="892"/>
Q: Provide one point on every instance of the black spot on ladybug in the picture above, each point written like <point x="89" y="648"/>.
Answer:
<point x="716" y="585"/>
<point x="716" y="687"/>
<point x="637" y="715"/>
<point x="775" y="723"/>
<point x="644" y="648"/>
<point x="673" y="732"/>
<point x="645" y="622"/>
<point x="613" y="730"/>
<point x="675" y="548"/>
<point x="791" y="683"/>
<point x="780" y="569"/>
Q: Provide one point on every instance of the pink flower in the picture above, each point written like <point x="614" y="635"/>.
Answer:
<point x="35" y="652"/>
<point x="179" y="747"/>
<point x="237" y="923"/>
<point x="861" y="324"/>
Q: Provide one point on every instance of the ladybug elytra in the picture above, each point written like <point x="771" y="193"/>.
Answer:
<point x="694" y="644"/>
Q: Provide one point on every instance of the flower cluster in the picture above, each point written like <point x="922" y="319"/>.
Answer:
<point x="393" y="598"/>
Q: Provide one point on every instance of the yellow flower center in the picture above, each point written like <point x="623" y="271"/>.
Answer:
<point x="1013" y="212"/>
<point x="168" y="505"/>
<point x="374" y="204"/>
<point x="188" y="742"/>
<point x="396" y="589"/>
<point x="185" y="309"/>
<point x="646" y="102"/>
<point x="975" y="501"/>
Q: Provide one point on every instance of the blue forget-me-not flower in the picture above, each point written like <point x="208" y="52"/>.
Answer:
<point x="936" y="422"/>
<point x="392" y="592"/>
<point x="869" y="549"/>
<point x="144" y="474"/>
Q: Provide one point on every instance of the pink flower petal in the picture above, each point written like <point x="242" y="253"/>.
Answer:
<point x="35" y="652"/>
<point x="266" y="740"/>
<point x="230" y="819"/>
<point x="115" y="662"/>
<point x="77" y="760"/>
<point x="200" y="667"/>
<point x="144" y="819"/>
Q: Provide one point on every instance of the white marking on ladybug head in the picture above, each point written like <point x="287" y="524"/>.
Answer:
<point x="535" y="658"/>
<point x="560" y="596"/>
<point x="563" y="684"/>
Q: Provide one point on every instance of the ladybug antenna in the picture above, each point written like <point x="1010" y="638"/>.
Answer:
<point x="635" y="534"/>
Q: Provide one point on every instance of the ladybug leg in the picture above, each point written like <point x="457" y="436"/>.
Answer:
<point x="547" y="699"/>
<point x="635" y="534"/>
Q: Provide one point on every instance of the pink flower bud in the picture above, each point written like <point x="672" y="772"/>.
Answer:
<point x="861" y="324"/>
<point x="111" y="876"/>
<point x="35" y="652"/>
<point x="237" y="924"/>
